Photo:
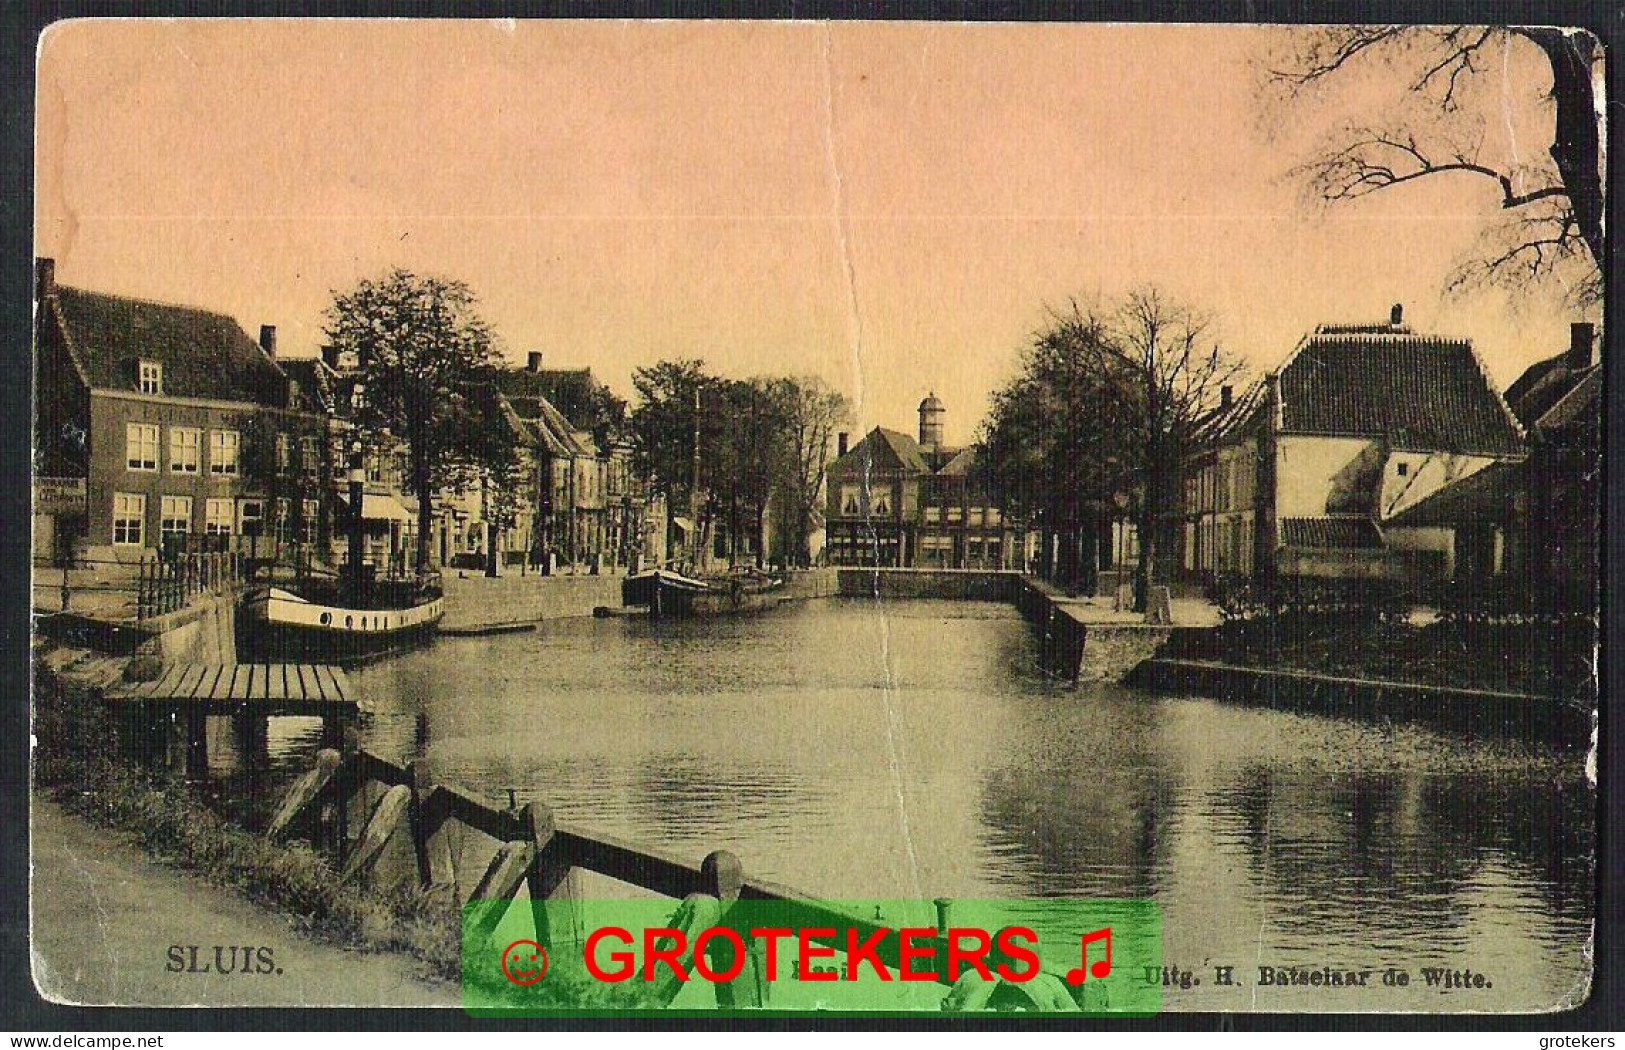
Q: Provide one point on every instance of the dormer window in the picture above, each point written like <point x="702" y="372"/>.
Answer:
<point x="151" y="377"/>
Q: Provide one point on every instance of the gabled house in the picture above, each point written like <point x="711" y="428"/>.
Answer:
<point x="893" y="500"/>
<point x="1546" y="507"/>
<point x="1310" y="473"/>
<point x="173" y="424"/>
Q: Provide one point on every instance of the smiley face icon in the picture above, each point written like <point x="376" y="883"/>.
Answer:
<point x="524" y="962"/>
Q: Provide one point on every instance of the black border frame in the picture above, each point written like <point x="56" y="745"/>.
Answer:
<point x="21" y="1007"/>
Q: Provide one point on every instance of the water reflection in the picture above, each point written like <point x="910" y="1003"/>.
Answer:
<point x="911" y="749"/>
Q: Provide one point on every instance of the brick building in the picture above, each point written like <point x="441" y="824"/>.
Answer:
<point x="896" y="500"/>
<point x="172" y="421"/>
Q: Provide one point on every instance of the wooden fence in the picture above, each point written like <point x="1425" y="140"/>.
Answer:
<point x="531" y="850"/>
<point x="164" y="585"/>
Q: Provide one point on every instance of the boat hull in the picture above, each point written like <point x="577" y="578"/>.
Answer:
<point x="670" y="595"/>
<point x="282" y="626"/>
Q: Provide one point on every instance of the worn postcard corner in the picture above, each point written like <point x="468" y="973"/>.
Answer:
<point x="569" y="518"/>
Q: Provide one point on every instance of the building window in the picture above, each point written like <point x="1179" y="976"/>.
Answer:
<point x="975" y="520"/>
<point x="219" y="515"/>
<point x="223" y="447"/>
<point x="185" y="450"/>
<point x="251" y="517"/>
<point x="956" y="514"/>
<point x="933" y="515"/>
<point x="282" y="520"/>
<point x="151" y="377"/>
<point x="1403" y="468"/>
<point x="284" y="454"/>
<point x="177" y="515"/>
<point x="307" y="524"/>
<point x="141" y="446"/>
<point x="129" y="519"/>
<point x="994" y="517"/>
<point x="309" y="460"/>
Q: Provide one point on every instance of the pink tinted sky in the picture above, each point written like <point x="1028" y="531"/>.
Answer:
<point x="888" y="206"/>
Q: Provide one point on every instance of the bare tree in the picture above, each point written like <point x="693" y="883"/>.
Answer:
<point x="812" y="412"/>
<point x="1553" y="224"/>
<point x="1104" y="415"/>
<point x="1171" y="374"/>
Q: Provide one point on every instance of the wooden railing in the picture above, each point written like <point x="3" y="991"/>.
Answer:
<point x="164" y="585"/>
<point x="116" y="590"/>
<point x="533" y="851"/>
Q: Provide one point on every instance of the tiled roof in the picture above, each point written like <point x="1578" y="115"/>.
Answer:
<point x="1544" y="385"/>
<point x="1331" y="533"/>
<point x="550" y="428"/>
<point x="309" y="383"/>
<point x="573" y="391"/>
<point x="960" y="464"/>
<point x="1484" y="495"/>
<point x="1221" y="423"/>
<point x="203" y="354"/>
<point x="1418" y="392"/>
<point x="1580" y="406"/>
<point x="883" y="449"/>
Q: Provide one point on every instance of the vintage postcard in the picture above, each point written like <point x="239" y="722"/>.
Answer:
<point x="557" y="517"/>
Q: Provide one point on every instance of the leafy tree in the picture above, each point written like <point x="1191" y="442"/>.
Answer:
<point x="1052" y="446"/>
<point x="677" y="428"/>
<point x="427" y="362"/>
<point x="1435" y="129"/>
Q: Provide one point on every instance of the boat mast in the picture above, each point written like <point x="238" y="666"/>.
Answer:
<point x="694" y="488"/>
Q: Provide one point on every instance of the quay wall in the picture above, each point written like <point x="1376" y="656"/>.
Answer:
<point x="1474" y="712"/>
<point x="955" y="584"/>
<point x="205" y="632"/>
<point x="476" y="600"/>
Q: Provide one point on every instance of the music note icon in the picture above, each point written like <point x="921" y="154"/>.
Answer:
<point x="1102" y="967"/>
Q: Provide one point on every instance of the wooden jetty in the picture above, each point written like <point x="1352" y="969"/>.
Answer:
<point x="172" y="710"/>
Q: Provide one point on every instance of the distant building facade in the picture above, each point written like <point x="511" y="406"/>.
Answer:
<point x="1311" y="472"/>
<point x="894" y="500"/>
<point x="167" y="422"/>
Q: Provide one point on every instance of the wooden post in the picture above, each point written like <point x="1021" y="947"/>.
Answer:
<point x="304" y="791"/>
<point x="417" y="775"/>
<point x="197" y="745"/>
<point x="723" y="877"/>
<point x="508" y="869"/>
<point x="387" y="815"/>
<point x="555" y="885"/>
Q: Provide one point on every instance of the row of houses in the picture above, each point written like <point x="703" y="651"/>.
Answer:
<point x="159" y="424"/>
<point x="1372" y="451"/>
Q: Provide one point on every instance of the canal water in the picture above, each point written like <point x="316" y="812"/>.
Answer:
<point x="912" y="749"/>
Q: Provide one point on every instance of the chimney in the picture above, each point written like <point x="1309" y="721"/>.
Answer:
<point x="44" y="278"/>
<point x="1582" y="339"/>
<point x="1396" y="315"/>
<point x="268" y="340"/>
<point x="533" y="361"/>
<point x="840" y="443"/>
<point x="1227" y="394"/>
